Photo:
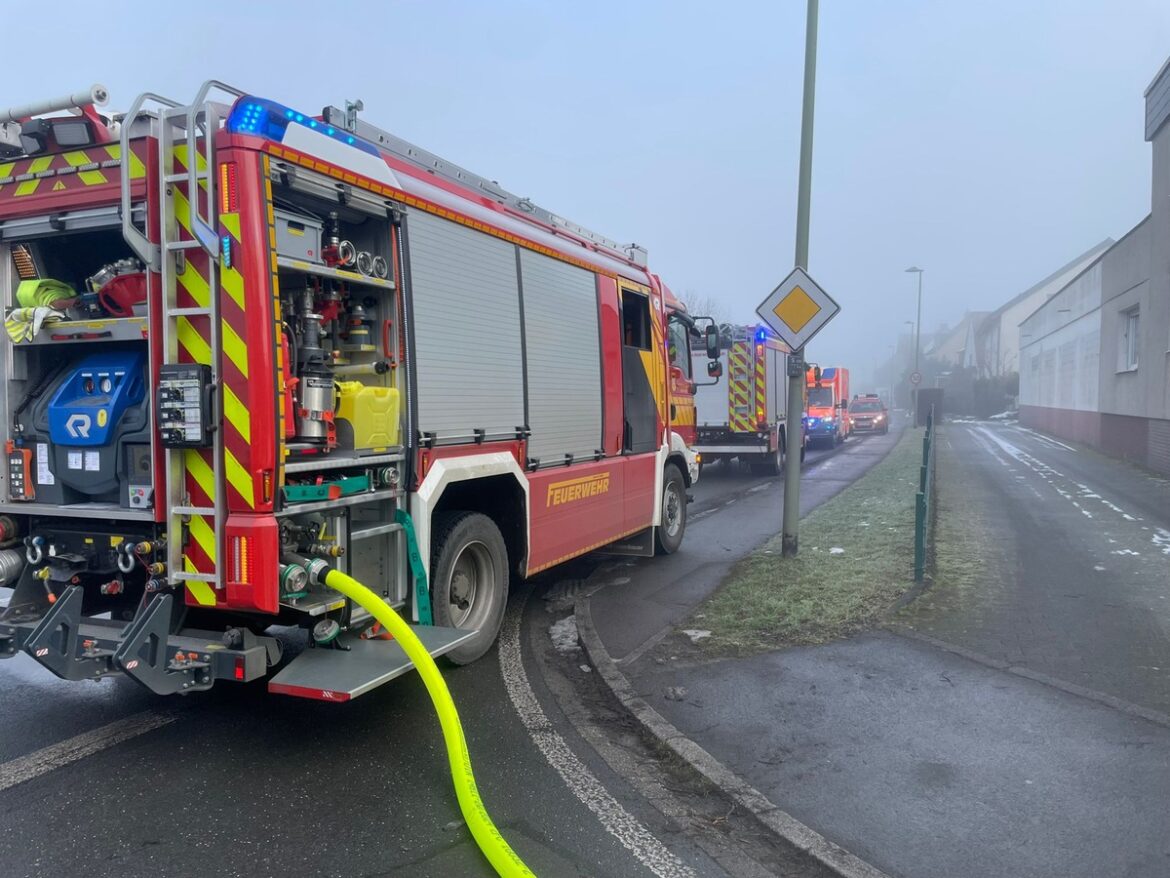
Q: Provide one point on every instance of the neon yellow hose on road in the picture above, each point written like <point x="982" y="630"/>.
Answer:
<point x="504" y="860"/>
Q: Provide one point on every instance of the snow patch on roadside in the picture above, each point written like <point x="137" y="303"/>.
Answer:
<point x="564" y="634"/>
<point x="1161" y="540"/>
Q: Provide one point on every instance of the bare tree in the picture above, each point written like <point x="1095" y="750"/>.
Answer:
<point x="705" y="305"/>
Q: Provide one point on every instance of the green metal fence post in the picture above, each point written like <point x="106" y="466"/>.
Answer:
<point x="919" y="536"/>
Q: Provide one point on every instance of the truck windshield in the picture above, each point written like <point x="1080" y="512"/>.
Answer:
<point x="820" y="396"/>
<point x="870" y="406"/>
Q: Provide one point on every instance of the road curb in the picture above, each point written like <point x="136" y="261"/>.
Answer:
<point x="781" y="823"/>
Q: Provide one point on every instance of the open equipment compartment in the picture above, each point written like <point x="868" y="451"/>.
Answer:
<point x="75" y="401"/>
<point x="345" y="386"/>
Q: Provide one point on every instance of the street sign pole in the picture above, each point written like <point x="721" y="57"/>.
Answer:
<point x="796" y="375"/>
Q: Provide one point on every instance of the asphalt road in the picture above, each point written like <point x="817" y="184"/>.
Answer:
<point x="1030" y="735"/>
<point x="237" y="782"/>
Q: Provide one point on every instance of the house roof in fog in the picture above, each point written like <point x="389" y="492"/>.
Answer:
<point x="1086" y="258"/>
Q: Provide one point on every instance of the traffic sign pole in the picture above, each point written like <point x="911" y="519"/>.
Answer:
<point x="796" y="379"/>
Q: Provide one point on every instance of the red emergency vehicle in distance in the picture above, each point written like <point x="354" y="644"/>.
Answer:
<point x="827" y="421"/>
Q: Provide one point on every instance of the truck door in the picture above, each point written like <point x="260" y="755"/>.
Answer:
<point x="643" y="402"/>
<point x="682" y="396"/>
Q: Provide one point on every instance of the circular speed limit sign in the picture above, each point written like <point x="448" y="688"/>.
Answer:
<point x="915" y="378"/>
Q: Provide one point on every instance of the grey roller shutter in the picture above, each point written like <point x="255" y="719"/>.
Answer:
<point x="466" y="329"/>
<point x="564" y="359"/>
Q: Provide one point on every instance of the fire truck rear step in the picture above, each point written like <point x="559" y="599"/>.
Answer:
<point x="356" y="666"/>
<point x="86" y="648"/>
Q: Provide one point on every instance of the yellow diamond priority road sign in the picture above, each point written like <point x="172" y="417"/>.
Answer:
<point x="797" y="309"/>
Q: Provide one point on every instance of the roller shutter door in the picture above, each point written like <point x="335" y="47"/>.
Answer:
<point x="564" y="359"/>
<point x="468" y="356"/>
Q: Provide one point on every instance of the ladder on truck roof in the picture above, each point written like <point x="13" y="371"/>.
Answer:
<point x="179" y="129"/>
<point x="432" y="164"/>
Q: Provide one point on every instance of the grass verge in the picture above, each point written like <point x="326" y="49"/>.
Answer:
<point x="822" y="594"/>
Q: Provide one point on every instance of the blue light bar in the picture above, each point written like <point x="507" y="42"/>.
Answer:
<point x="264" y="118"/>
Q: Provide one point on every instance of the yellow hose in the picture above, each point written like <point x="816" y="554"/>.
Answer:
<point x="504" y="860"/>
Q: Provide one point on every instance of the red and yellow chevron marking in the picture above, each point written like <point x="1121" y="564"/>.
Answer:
<point x="76" y="169"/>
<point x="761" y="378"/>
<point x="740" y="400"/>
<point x="233" y="369"/>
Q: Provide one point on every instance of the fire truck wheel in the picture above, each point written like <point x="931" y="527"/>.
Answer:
<point x="771" y="464"/>
<point x="469" y="579"/>
<point x="668" y="536"/>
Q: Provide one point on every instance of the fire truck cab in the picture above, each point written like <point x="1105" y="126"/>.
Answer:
<point x="247" y="343"/>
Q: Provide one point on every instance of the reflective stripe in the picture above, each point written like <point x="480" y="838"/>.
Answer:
<point x="202" y="533"/>
<point x="137" y="168"/>
<point x="234" y="347"/>
<point x="89" y="178"/>
<point x="233" y="284"/>
<point x="239" y="478"/>
<point x="196" y="345"/>
<point x="203" y="593"/>
<point x="231" y="222"/>
<point x="236" y="414"/>
<point x="198" y="469"/>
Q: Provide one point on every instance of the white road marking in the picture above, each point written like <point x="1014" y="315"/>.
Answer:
<point x="1046" y="439"/>
<point x="616" y="820"/>
<point x="24" y="768"/>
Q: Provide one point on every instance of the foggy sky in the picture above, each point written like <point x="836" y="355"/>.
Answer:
<point x="987" y="142"/>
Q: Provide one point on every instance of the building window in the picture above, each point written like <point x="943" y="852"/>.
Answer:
<point x="1129" y="340"/>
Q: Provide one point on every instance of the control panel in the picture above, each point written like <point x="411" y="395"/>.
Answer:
<point x="139" y="496"/>
<point x="20" y="485"/>
<point x="184" y="405"/>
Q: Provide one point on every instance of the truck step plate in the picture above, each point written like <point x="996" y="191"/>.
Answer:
<point x="329" y="674"/>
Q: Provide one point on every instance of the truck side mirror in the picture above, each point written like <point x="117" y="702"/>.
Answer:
<point x="712" y="339"/>
<point x="714" y="369"/>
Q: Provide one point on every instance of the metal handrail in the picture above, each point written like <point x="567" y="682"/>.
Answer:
<point x="147" y="250"/>
<point x="205" y="230"/>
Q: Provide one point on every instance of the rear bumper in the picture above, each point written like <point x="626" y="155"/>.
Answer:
<point x="77" y="647"/>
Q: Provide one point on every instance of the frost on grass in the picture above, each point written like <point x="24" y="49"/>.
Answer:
<point x="768" y="601"/>
<point x="696" y="634"/>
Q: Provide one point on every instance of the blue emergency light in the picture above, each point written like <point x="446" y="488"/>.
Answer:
<point x="265" y="118"/>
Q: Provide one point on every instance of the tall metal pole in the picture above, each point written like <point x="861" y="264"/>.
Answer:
<point x="796" y="372"/>
<point x="918" y="323"/>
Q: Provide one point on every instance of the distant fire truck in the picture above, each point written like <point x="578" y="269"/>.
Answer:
<point x="246" y="343"/>
<point x="746" y="416"/>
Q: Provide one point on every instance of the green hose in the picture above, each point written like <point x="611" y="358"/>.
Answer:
<point x="503" y="859"/>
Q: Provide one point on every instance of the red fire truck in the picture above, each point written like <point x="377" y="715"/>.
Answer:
<point x="247" y="342"/>
<point x="746" y="417"/>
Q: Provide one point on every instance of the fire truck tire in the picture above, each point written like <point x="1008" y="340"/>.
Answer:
<point x="771" y="464"/>
<point x="469" y="579"/>
<point x="668" y="536"/>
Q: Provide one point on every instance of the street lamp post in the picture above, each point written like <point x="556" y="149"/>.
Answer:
<point x="910" y="395"/>
<point x="914" y="269"/>
<point x="917" y="340"/>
